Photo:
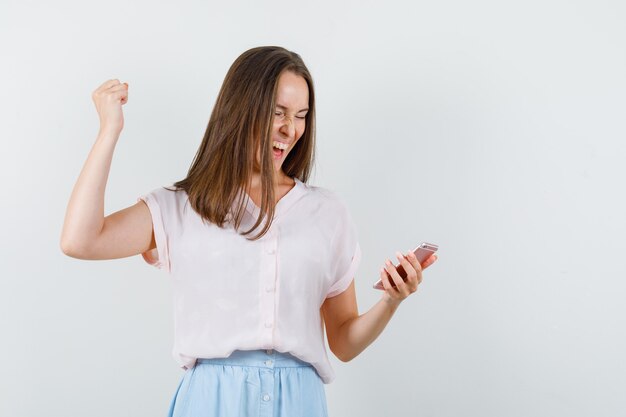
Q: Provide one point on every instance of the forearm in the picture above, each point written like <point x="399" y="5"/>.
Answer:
<point x="358" y="333"/>
<point x="84" y="216"/>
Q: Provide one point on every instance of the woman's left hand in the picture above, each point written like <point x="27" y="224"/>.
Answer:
<point x="413" y="270"/>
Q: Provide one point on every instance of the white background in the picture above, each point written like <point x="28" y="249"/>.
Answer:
<point x="494" y="129"/>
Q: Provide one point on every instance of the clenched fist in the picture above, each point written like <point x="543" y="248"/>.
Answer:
<point x="109" y="98"/>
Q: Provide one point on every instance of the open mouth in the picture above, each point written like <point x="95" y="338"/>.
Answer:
<point x="279" y="149"/>
<point x="278" y="153"/>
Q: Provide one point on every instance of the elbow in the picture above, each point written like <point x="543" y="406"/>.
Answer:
<point x="67" y="249"/>
<point x="71" y="248"/>
<point x="343" y="357"/>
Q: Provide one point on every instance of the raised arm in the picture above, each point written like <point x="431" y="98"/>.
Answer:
<point x="87" y="234"/>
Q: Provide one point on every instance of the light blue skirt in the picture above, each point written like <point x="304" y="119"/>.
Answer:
<point x="252" y="383"/>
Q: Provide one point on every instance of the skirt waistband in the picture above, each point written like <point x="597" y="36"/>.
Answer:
<point x="263" y="358"/>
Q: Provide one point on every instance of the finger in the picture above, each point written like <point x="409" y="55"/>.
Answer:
<point x="116" y="97"/>
<point x="411" y="274"/>
<point x="390" y="290"/>
<point x="111" y="90"/>
<point x="416" y="264"/>
<point x="431" y="260"/>
<point x="116" y="88"/>
<point x="108" y="84"/>
<point x="410" y="256"/>
<point x="391" y="269"/>
<point x="384" y="277"/>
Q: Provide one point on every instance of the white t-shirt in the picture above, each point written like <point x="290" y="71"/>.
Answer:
<point x="230" y="293"/>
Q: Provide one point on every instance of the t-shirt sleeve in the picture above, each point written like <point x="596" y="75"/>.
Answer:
<point x="156" y="200"/>
<point x="346" y="251"/>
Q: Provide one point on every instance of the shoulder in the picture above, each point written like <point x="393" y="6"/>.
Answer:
<point x="328" y="198"/>
<point x="167" y="197"/>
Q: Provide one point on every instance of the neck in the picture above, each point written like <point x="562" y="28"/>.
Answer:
<point x="280" y="178"/>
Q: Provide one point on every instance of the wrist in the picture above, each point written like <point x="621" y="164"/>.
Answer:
<point x="389" y="301"/>
<point x="108" y="134"/>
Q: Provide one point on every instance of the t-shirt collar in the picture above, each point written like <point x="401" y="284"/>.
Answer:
<point x="283" y="204"/>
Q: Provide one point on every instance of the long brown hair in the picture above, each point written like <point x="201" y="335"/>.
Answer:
<point x="240" y="122"/>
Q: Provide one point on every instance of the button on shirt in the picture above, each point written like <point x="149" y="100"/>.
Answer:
<point x="231" y="294"/>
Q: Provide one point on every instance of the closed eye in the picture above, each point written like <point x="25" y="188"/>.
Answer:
<point x="297" y="117"/>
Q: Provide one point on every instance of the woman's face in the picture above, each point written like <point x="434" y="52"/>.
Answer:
<point x="292" y="102"/>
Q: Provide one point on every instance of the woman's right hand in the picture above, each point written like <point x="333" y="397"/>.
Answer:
<point x="109" y="98"/>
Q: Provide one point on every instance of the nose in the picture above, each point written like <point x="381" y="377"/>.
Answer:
<point x="287" y="127"/>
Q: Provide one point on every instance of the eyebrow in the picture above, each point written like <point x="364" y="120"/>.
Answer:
<point x="285" y="108"/>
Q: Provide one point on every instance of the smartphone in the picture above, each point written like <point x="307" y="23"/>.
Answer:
<point x="422" y="252"/>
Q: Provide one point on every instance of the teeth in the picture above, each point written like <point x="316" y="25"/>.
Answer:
<point x="279" y="145"/>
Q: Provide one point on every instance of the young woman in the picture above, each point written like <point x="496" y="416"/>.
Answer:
<point x="261" y="261"/>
